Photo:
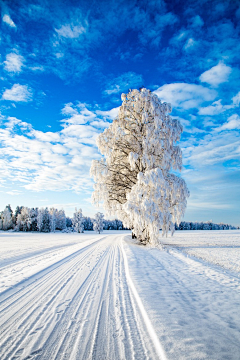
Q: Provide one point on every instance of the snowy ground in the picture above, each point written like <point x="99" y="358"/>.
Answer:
<point x="88" y="296"/>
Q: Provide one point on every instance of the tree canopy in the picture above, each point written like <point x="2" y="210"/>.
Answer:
<point x="133" y="179"/>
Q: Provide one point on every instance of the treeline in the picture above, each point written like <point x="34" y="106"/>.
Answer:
<point x="208" y="225"/>
<point x="50" y="220"/>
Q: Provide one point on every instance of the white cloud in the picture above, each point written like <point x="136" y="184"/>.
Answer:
<point x="185" y="96"/>
<point x="214" y="148"/>
<point x="217" y="108"/>
<point x="14" y="192"/>
<point x="208" y="205"/>
<point x="79" y="114"/>
<point x="13" y="63"/>
<point x="6" y="18"/>
<point x="70" y="31"/>
<point x="189" y="44"/>
<point x="233" y="123"/>
<point x="19" y="93"/>
<point x="109" y="114"/>
<point x="55" y="161"/>
<point x="216" y="75"/>
<point x="236" y="99"/>
<point x="124" y="82"/>
<point x="214" y="109"/>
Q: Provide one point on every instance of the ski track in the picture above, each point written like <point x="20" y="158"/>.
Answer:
<point x="81" y="307"/>
<point x="108" y="299"/>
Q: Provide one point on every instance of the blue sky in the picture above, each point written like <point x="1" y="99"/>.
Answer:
<point x="64" y="65"/>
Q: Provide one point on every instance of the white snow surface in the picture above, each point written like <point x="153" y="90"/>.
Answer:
<point x="89" y="296"/>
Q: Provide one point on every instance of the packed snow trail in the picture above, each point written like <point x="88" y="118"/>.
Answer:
<point x="79" y="308"/>
<point x="108" y="298"/>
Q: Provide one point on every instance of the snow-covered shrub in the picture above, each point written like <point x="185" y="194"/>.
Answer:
<point x="134" y="179"/>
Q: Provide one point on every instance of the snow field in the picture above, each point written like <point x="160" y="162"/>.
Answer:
<point x="89" y="296"/>
<point x="221" y="248"/>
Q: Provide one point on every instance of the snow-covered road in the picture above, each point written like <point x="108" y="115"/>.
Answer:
<point x="103" y="297"/>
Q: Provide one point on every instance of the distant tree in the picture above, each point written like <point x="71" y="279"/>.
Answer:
<point x="77" y="221"/>
<point x="7" y="222"/>
<point x="135" y="181"/>
<point x="53" y="218"/>
<point x="24" y="222"/>
<point x="186" y="226"/>
<point x="43" y="220"/>
<point x="61" y="220"/>
<point x="87" y="223"/>
<point x="17" y="211"/>
<point x="206" y="226"/>
<point x="33" y="216"/>
<point x="1" y="221"/>
<point x="98" y="222"/>
<point x="68" y="222"/>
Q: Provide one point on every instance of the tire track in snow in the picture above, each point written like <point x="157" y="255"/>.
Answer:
<point x="147" y="321"/>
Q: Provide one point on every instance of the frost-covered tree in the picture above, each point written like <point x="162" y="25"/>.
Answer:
<point x="7" y="221"/>
<point x="53" y="218"/>
<point x="77" y="221"/>
<point x="134" y="180"/>
<point x="24" y="220"/>
<point x="61" y="220"/>
<point x="43" y="220"/>
<point x="98" y="222"/>
<point x="1" y="221"/>
<point x="68" y="222"/>
<point x="17" y="212"/>
<point x="87" y="223"/>
<point x="33" y="216"/>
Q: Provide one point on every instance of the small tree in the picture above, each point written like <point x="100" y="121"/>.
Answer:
<point x="134" y="179"/>
<point x="77" y="221"/>
<point x="98" y="222"/>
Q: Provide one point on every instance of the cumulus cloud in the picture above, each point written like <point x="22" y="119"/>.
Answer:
<point x="185" y="96"/>
<point x="6" y="18"/>
<point x="18" y="93"/>
<point x="13" y="63"/>
<point x="216" y="75"/>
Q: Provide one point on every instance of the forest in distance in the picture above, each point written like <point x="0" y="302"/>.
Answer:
<point x="51" y="220"/>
